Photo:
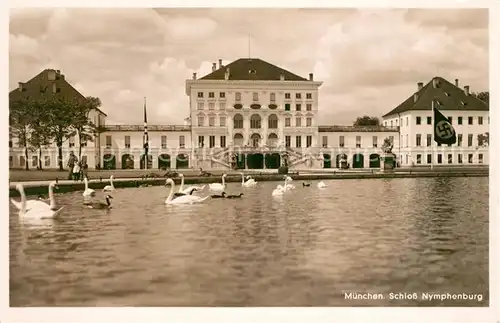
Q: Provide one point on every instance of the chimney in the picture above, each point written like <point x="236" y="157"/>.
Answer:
<point x="466" y="90"/>
<point x="226" y="75"/>
<point x="282" y="76"/>
<point x="194" y="76"/>
<point x="220" y="63"/>
<point x="311" y="77"/>
<point x="58" y="72"/>
<point x="21" y="86"/>
<point x="456" y="82"/>
<point x="420" y="86"/>
<point x="51" y="75"/>
<point x="434" y="83"/>
<point x="62" y="76"/>
<point x="214" y="67"/>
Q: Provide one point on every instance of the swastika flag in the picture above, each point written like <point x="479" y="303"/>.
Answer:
<point x="444" y="133"/>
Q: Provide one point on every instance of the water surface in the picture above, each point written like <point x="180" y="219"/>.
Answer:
<point x="307" y="248"/>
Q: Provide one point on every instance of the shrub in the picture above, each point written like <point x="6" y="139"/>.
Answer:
<point x="283" y="170"/>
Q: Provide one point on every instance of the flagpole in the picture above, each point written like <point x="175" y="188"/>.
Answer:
<point x="146" y="139"/>
<point x="432" y="145"/>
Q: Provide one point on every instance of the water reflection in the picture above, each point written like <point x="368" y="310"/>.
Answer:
<point x="303" y="249"/>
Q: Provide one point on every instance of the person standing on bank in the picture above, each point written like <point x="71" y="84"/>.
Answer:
<point x="76" y="171"/>
<point x="85" y="169"/>
<point x="71" y="164"/>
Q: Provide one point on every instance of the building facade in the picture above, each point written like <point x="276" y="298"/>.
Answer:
<point x="252" y="114"/>
<point x="414" y="117"/>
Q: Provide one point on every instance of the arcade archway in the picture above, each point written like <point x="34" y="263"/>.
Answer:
<point x="127" y="161"/>
<point x="255" y="161"/>
<point x="273" y="161"/>
<point x="109" y="161"/>
<point x="164" y="161"/>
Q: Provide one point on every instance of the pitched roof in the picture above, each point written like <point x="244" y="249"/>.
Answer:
<point x="41" y="86"/>
<point x="252" y="69"/>
<point x="450" y="97"/>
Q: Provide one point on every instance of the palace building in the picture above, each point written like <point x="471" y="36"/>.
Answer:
<point x="251" y="114"/>
<point x="468" y="115"/>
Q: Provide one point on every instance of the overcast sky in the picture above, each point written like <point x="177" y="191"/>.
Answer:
<point x="369" y="60"/>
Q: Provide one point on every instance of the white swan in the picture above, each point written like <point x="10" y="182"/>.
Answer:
<point x="185" y="199"/>
<point x="289" y="186"/>
<point x="39" y="203"/>
<point x="218" y="186"/>
<point x="188" y="189"/>
<point x="39" y="212"/>
<point x="109" y="187"/>
<point x="249" y="183"/>
<point x="88" y="191"/>
<point x="278" y="191"/>
<point x="249" y="178"/>
<point x="281" y="189"/>
<point x="322" y="185"/>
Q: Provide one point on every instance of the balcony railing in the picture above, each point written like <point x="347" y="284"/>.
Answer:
<point x="357" y="129"/>
<point x="150" y="128"/>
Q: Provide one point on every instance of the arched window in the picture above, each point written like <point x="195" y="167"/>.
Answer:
<point x="255" y="121"/>
<point x="238" y="121"/>
<point x="272" y="122"/>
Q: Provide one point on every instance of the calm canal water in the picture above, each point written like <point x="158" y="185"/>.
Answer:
<point x="304" y="249"/>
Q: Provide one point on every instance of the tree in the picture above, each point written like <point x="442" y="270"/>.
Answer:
<point x="62" y="114"/>
<point x="387" y="146"/>
<point x="40" y="132"/>
<point x="84" y="128"/>
<point x="483" y="96"/>
<point x="20" y="116"/>
<point x="366" y="121"/>
<point x="483" y="140"/>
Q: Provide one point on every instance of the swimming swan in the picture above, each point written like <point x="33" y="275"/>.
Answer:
<point x="189" y="189"/>
<point x="109" y="187"/>
<point x="38" y="212"/>
<point x="281" y="189"/>
<point x="218" y="186"/>
<point x="39" y="203"/>
<point x="322" y="185"/>
<point x="249" y="178"/>
<point x="185" y="199"/>
<point x="249" y="183"/>
<point x="88" y="191"/>
<point x="289" y="186"/>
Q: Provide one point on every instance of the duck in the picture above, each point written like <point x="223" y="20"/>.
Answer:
<point x="100" y="205"/>
<point x="218" y="196"/>
<point x="234" y="196"/>
<point x="109" y="187"/>
<point x="38" y="211"/>
<point x="88" y="191"/>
